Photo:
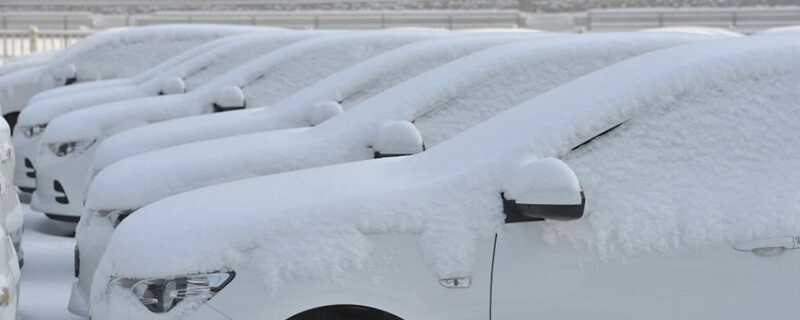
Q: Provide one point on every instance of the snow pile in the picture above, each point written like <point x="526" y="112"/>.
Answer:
<point x="173" y="85"/>
<point x="695" y="94"/>
<point x="441" y="103"/>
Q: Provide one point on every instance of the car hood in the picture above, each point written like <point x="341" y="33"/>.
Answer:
<point x="42" y="112"/>
<point x="106" y="119"/>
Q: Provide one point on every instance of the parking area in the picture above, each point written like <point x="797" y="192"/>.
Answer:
<point x="47" y="275"/>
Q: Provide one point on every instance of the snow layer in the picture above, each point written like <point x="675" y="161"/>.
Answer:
<point x="441" y="103"/>
<point x="349" y="87"/>
<point x="264" y="80"/>
<point x="194" y="65"/>
<point x="98" y="56"/>
<point x="684" y="141"/>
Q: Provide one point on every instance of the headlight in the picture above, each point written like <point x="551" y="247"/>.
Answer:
<point x="34" y="130"/>
<point x="162" y="295"/>
<point x="62" y="149"/>
<point x="5" y="297"/>
<point x="115" y="216"/>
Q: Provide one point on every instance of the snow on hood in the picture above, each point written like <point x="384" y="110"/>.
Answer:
<point x="98" y="56"/>
<point x="264" y="80"/>
<point x="442" y="102"/>
<point x="349" y="87"/>
<point x="695" y="93"/>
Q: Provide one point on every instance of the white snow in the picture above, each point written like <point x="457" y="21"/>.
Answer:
<point x="679" y="172"/>
<point x="398" y="138"/>
<point x="264" y="80"/>
<point x="441" y="102"/>
<point x="230" y="97"/>
<point x="349" y="87"/>
<point x="323" y="111"/>
<point x="173" y="85"/>
<point x="47" y="275"/>
<point x="192" y="66"/>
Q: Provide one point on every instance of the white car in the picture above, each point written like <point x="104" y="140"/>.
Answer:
<point x="178" y="75"/>
<point x="309" y="107"/>
<point x="11" y="214"/>
<point x="67" y="146"/>
<point x="666" y="193"/>
<point x="439" y="102"/>
<point x="99" y="56"/>
<point x="9" y="279"/>
<point x="24" y="62"/>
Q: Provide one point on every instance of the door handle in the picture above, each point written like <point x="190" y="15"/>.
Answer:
<point x="769" y="247"/>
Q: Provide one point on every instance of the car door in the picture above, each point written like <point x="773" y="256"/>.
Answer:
<point x="537" y="275"/>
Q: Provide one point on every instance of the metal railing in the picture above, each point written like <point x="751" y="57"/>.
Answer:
<point x="740" y="19"/>
<point x="15" y="43"/>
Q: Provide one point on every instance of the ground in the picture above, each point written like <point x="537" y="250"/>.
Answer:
<point x="48" y="275"/>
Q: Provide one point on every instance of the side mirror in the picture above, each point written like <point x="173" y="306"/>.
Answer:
<point x="323" y="111"/>
<point x="545" y="189"/>
<point x="398" y="138"/>
<point x="229" y="99"/>
<point x="69" y="74"/>
<point x="174" y="85"/>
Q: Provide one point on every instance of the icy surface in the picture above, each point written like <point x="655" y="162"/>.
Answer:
<point x="660" y="181"/>
<point x="441" y="102"/>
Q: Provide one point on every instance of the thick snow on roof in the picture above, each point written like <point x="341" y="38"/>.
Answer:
<point x="265" y="80"/>
<point x="679" y="173"/>
<point x="348" y="87"/>
<point x="203" y="64"/>
<point x="442" y="102"/>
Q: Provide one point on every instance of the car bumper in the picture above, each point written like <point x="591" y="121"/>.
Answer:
<point x="25" y="169"/>
<point x="92" y="236"/>
<point x="60" y="186"/>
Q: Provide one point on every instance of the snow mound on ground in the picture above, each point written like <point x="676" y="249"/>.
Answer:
<point x="689" y="93"/>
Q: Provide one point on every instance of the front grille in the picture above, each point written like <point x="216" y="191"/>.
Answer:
<point x="62" y="198"/>
<point x="31" y="171"/>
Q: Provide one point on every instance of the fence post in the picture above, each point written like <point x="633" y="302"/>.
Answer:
<point x="34" y="37"/>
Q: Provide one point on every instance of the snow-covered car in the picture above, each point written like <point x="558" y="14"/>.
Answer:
<point x="709" y="31"/>
<point x="9" y="278"/>
<point x="309" y="107"/>
<point x="67" y="146"/>
<point x="11" y="214"/>
<point x="25" y="62"/>
<point x="99" y="56"/>
<point x="669" y="192"/>
<point x="440" y="102"/>
<point x="180" y="74"/>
